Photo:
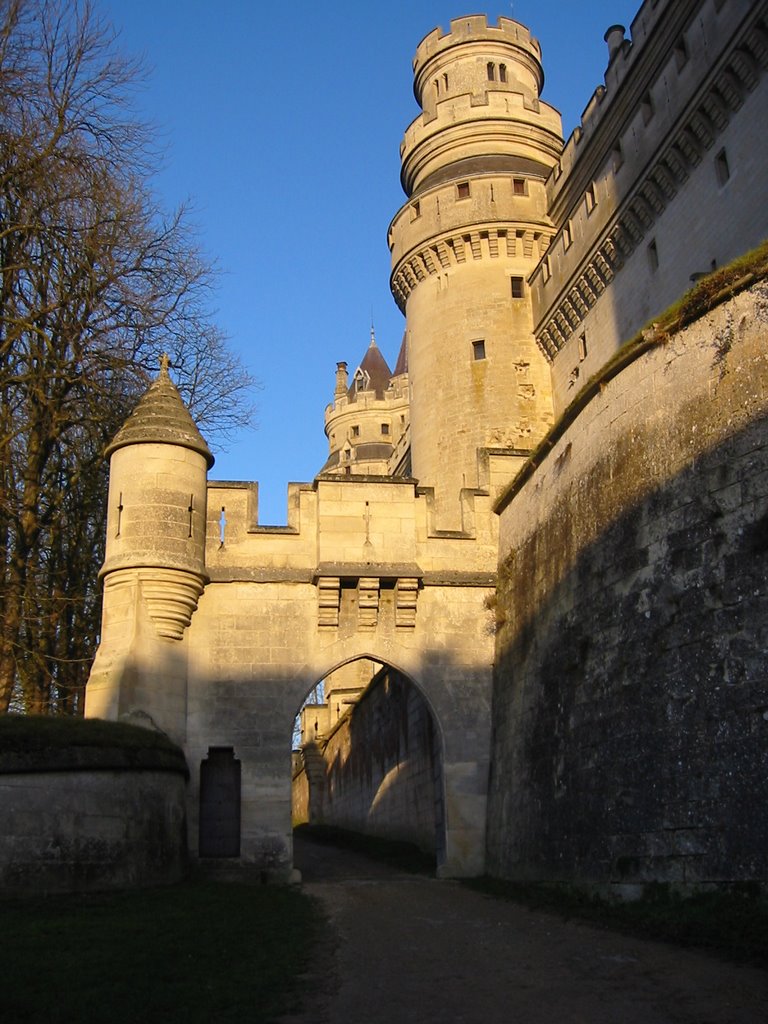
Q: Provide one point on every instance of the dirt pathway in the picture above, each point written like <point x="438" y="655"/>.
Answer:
<point x="413" y="949"/>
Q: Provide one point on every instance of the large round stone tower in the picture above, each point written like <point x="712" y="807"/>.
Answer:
<point x="474" y="165"/>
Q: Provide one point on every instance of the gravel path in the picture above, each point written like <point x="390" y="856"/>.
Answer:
<point x="407" y="949"/>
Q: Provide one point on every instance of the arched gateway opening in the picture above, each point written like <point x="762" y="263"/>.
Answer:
<point x="367" y="758"/>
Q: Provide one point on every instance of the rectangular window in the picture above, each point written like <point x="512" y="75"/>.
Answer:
<point x="567" y="236"/>
<point x="590" y="198"/>
<point x="385" y="428"/>
<point x="617" y="157"/>
<point x="653" y="255"/>
<point x="546" y="270"/>
<point x="582" y="348"/>
<point x="722" y="169"/>
<point x="415" y="210"/>
<point x="355" y="431"/>
<point x="518" y="287"/>
<point x="646" y="106"/>
<point x="462" y="190"/>
<point x="478" y="350"/>
<point x="518" y="186"/>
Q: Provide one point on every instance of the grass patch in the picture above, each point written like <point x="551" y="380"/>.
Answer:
<point x="39" y="743"/>
<point x="732" y="923"/>
<point x="33" y="733"/>
<point x="197" y="952"/>
<point x="403" y="856"/>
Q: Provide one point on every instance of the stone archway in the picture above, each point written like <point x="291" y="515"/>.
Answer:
<point x="370" y="758"/>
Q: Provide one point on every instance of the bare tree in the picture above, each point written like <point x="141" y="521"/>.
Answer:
<point x="96" y="282"/>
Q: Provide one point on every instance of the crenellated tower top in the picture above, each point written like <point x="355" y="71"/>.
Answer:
<point x="478" y="86"/>
<point x="439" y="49"/>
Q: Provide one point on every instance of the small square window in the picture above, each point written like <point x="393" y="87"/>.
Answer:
<point x="518" y="287"/>
<point x="478" y="350"/>
<point x="518" y="186"/>
<point x="355" y="431"/>
<point x="462" y="190"/>
<point x="385" y="428"/>
<point x="722" y="170"/>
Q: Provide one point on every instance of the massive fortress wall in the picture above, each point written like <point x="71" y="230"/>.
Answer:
<point x="630" y="688"/>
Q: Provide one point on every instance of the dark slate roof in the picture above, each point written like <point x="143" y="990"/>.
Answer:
<point x="401" y="366"/>
<point x="375" y="365"/>
<point x="161" y="417"/>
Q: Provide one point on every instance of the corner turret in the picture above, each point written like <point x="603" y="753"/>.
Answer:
<point x="367" y="419"/>
<point x="154" y="569"/>
<point x="157" y="504"/>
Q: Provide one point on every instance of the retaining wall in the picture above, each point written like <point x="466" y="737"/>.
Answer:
<point x="630" y="739"/>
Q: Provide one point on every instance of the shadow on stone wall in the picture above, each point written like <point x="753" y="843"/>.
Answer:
<point x="630" y="738"/>
<point x="379" y="770"/>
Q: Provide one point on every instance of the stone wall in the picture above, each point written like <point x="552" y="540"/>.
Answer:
<point x="73" y="831"/>
<point x="630" y="697"/>
<point x="378" y="772"/>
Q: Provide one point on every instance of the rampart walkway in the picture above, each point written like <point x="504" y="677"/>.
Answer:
<point x="412" y="949"/>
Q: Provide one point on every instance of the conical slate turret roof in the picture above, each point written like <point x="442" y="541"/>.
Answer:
<point x="401" y="366"/>
<point x="374" y="366"/>
<point x="161" y="417"/>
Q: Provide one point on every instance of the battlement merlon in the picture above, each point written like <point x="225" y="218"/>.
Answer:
<point x="438" y="49"/>
<point x="347" y="520"/>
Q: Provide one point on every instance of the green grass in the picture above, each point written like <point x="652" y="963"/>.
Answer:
<point x="732" y="923"/>
<point x="38" y="743"/>
<point x="201" y="953"/>
<point x="31" y="733"/>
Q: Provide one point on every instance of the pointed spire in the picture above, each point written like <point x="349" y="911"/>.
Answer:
<point x="372" y="374"/>
<point x="401" y="366"/>
<point x="160" y="417"/>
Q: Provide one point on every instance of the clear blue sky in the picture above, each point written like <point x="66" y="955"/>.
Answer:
<point x="282" y="123"/>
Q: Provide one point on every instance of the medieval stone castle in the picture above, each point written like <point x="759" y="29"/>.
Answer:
<point x="542" y="539"/>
